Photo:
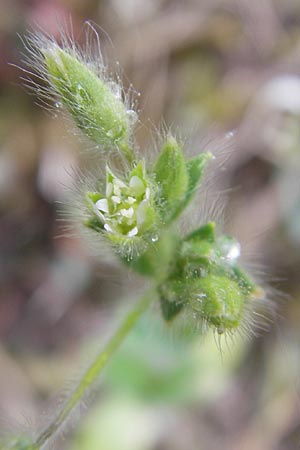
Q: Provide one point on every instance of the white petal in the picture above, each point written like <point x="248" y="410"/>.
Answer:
<point x="131" y="200"/>
<point x="147" y="193"/>
<point x="99" y="214"/>
<point x="102" y="205"/>
<point x="108" y="228"/>
<point x="141" y="212"/>
<point x="116" y="199"/>
<point x="133" y="232"/>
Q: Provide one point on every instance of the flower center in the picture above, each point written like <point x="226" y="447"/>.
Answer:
<point x="125" y="208"/>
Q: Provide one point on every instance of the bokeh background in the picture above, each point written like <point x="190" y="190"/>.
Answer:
<point x="207" y="67"/>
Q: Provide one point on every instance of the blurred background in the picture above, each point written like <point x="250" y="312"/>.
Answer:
<point x="207" y="67"/>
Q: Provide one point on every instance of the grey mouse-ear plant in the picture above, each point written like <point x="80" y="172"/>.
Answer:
<point x="134" y="208"/>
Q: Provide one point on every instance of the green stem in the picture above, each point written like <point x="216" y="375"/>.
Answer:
<point x="95" y="368"/>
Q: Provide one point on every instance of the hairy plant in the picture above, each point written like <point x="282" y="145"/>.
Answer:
<point x="133" y="207"/>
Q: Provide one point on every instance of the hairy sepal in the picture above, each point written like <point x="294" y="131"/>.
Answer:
<point x="178" y="178"/>
<point x="195" y="170"/>
<point x="171" y="175"/>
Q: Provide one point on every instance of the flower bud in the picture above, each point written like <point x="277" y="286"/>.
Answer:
<point x="206" y="280"/>
<point x="95" y="108"/>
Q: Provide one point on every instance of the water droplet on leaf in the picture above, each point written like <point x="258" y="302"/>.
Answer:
<point x="230" y="249"/>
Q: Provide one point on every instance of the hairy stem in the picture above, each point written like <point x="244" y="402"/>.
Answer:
<point x="95" y="368"/>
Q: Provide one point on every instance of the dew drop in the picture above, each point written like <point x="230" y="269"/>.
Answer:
<point x="230" y="249"/>
<point x="57" y="105"/>
<point x="154" y="238"/>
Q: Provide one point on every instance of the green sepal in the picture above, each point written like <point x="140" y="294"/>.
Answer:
<point x="219" y="301"/>
<point x="94" y="224"/>
<point x="195" y="169"/>
<point x="138" y="170"/>
<point x="178" y="179"/>
<point x="172" y="178"/>
<point x="197" y="251"/>
<point x="93" y="196"/>
<point x="245" y="283"/>
<point x="170" y="309"/>
<point x="91" y="199"/>
<point x="206" y="232"/>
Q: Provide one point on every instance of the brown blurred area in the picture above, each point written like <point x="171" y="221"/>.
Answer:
<point x="206" y="67"/>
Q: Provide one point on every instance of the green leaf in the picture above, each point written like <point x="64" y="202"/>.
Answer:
<point x="172" y="177"/>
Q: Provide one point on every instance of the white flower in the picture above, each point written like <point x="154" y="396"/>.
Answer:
<point x="126" y="211"/>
